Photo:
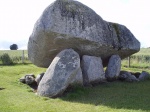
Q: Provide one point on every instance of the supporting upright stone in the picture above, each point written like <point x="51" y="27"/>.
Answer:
<point x="92" y="68"/>
<point x="60" y="73"/>
<point x="113" y="68"/>
<point x="78" y="78"/>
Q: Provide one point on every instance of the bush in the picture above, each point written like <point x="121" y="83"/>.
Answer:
<point x="6" y="60"/>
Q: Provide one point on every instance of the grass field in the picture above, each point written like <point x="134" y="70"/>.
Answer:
<point x="15" y="55"/>
<point x="108" y="97"/>
<point x="140" y="59"/>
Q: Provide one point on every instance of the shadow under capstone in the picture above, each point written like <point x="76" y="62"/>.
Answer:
<point x="2" y="88"/>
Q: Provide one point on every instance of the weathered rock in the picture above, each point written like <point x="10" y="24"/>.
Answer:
<point x="92" y="69"/>
<point x="29" y="79"/>
<point x="78" y="78"/>
<point x="127" y="76"/>
<point x="136" y="74"/>
<point x="60" y="73"/>
<point x="39" y="77"/>
<point x="122" y="76"/>
<point x="70" y="24"/>
<point x="113" y="68"/>
<point x="144" y="75"/>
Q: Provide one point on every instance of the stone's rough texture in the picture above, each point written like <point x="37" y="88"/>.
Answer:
<point x="60" y="73"/>
<point x="79" y="78"/>
<point x="127" y="76"/>
<point x="122" y="76"/>
<point x="39" y="77"/>
<point x="92" y="69"/>
<point x="113" y="68"/>
<point x="29" y="79"/>
<point x="143" y="76"/>
<point x="70" y="24"/>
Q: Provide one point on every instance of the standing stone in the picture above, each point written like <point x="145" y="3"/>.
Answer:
<point x="70" y="24"/>
<point x="92" y="68"/>
<point x="143" y="76"/>
<point x="113" y="68"/>
<point x="60" y="73"/>
<point x="79" y="78"/>
<point x="29" y="79"/>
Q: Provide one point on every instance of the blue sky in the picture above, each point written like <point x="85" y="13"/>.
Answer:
<point x="19" y="16"/>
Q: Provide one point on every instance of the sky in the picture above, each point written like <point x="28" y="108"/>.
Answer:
<point x="17" y="18"/>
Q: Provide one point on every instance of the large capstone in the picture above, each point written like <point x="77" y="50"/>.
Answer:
<point x="70" y="24"/>
<point x="60" y="74"/>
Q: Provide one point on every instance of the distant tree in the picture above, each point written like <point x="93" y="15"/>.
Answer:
<point x="13" y="47"/>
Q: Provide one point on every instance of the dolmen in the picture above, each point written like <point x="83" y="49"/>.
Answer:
<point x="75" y="44"/>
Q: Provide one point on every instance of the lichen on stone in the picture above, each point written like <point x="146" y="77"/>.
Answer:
<point x="115" y="26"/>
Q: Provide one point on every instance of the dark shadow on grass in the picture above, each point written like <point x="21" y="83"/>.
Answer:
<point x="16" y="64"/>
<point x="33" y="86"/>
<point x="2" y="88"/>
<point x="118" y="95"/>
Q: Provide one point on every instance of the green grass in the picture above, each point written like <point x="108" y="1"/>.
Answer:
<point x="15" y="55"/>
<point x="108" y="97"/>
<point x="140" y="59"/>
<point x="144" y="51"/>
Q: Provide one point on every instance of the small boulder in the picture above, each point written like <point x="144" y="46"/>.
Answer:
<point x="122" y="76"/>
<point x="93" y="71"/>
<point x="113" y="68"/>
<point x="143" y="76"/>
<point x="136" y="74"/>
<point x="127" y="76"/>
<point x="39" y="77"/>
<point x="59" y="74"/>
<point x="29" y="79"/>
